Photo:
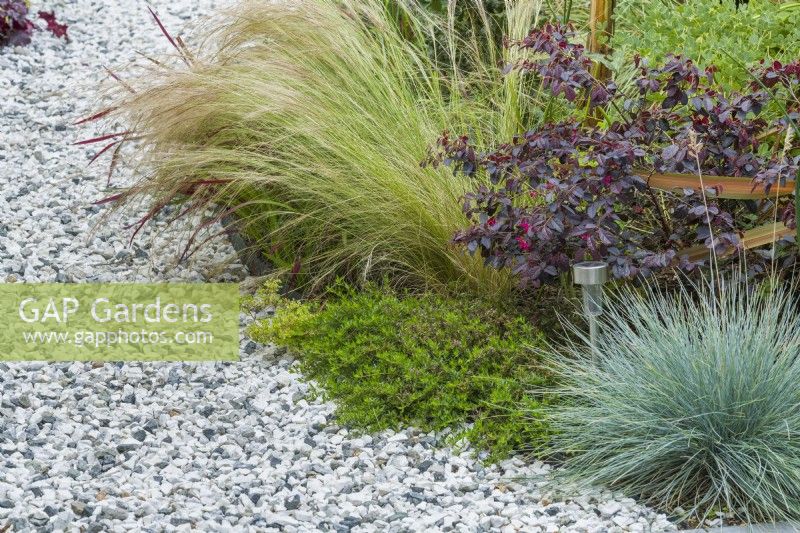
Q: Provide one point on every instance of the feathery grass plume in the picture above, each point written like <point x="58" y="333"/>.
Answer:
<point x="309" y="120"/>
<point x="693" y="402"/>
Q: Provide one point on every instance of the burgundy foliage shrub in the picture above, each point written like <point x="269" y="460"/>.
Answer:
<point x="16" y="28"/>
<point x="573" y="191"/>
<point x="59" y="30"/>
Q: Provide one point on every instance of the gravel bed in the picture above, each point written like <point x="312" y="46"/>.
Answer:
<point x="208" y="446"/>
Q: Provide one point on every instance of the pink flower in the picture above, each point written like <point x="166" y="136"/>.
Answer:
<point x="523" y="244"/>
<point x="491" y="222"/>
<point x="607" y="180"/>
<point x="525" y="226"/>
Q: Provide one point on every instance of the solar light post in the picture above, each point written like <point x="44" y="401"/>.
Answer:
<point x="591" y="276"/>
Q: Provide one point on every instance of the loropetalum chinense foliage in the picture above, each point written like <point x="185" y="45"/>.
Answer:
<point x="59" y="30"/>
<point x="16" y="28"/>
<point x="579" y="189"/>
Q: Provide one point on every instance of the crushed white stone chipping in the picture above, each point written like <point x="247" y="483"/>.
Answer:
<point x="213" y="447"/>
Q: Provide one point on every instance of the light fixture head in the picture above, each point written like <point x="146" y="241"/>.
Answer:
<point x="590" y="273"/>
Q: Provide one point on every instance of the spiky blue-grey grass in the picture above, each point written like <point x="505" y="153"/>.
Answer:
<point x="692" y="402"/>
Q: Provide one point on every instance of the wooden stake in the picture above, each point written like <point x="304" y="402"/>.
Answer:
<point x="601" y="26"/>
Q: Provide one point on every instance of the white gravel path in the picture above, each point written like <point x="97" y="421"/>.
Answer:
<point x="215" y="447"/>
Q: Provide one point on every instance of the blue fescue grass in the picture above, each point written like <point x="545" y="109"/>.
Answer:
<point x="692" y="402"/>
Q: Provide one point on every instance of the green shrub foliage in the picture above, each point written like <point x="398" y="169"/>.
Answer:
<point x="432" y="362"/>
<point x="693" y="402"/>
<point x="711" y="33"/>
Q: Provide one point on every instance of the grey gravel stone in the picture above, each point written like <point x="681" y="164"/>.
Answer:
<point x="292" y="503"/>
<point x="128" y="446"/>
<point x="39" y="518"/>
<point x="80" y="508"/>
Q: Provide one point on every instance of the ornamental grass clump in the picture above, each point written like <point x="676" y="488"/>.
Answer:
<point x="308" y="121"/>
<point x="692" y="403"/>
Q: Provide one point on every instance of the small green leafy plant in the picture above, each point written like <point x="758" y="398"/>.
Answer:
<point x="710" y="33"/>
<point x="691" y="402"/>
<point x="428" y="361"/>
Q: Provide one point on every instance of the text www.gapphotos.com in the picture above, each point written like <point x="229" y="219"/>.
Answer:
<point x="97" y="339"/>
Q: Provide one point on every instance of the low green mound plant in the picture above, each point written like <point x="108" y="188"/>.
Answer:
<point x="692" y="403"/>
<point x="428" y="361"/>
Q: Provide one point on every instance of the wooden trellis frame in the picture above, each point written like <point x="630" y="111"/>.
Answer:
<point x="728" y="188"/>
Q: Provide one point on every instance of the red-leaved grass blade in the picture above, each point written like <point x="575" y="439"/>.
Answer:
<point x="185" y="50"/>
<point x="119" y="80"/>
<point x="150" y="214"/>
<point x="114" y="161"/>
<point x="193" y="206"/>
<point x="101" y="139"/>
<point x="104" y="150"/>
<point x="192" y="190"/>
<point x="188" y="248"/>
<point x="168" y="36"/>
<point x="163" y="29"/>
<point x="294" y="273"/>
<point x="110" y="199"/>
<point x="96" y="116"/>
<point x="150" y="59"/>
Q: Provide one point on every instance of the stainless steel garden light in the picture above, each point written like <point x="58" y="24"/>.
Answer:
<point x="591" y="275"/>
